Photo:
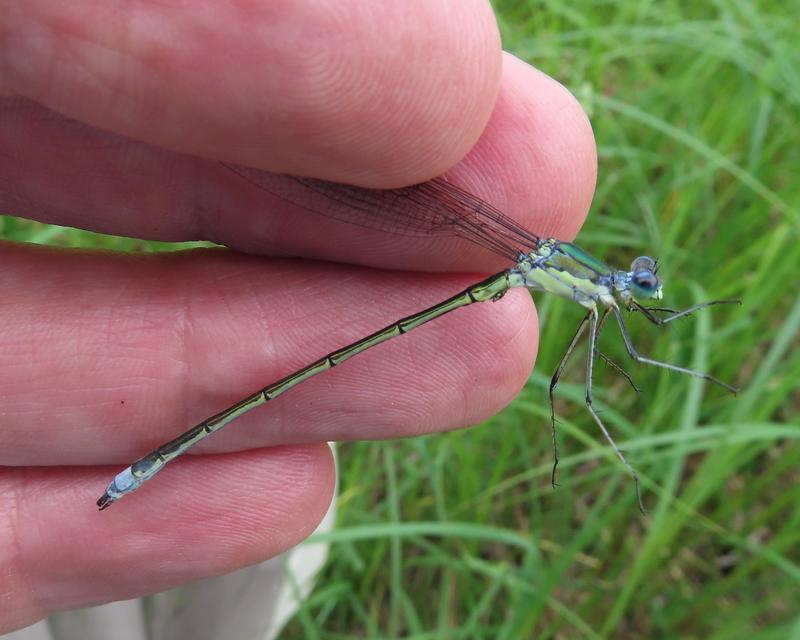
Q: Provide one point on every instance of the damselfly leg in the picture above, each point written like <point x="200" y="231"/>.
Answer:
<point x="647" y="312"/>
<point x="593" y="333"/>
<point x="553" y="382"/>
<point x="560" y="370"/>
<point x="595" y="325"/>
<point x="662" y="321"/>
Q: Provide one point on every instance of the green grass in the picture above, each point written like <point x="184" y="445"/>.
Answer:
<point x="695" y="107"/>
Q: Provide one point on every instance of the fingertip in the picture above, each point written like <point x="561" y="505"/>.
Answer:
<point x="400" y="107"/>
<point x="537" y="158"/>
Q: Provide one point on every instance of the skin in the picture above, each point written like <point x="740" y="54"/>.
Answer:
<point x="114" y="121"/>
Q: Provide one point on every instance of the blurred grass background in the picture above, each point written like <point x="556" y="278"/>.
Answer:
<point x="696" y="110"/>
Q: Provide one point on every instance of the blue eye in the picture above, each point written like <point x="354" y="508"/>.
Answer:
<point x="645" y="280"/>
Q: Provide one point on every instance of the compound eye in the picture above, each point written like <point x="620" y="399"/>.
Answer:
<point x="643" y="263"/>
<point x="645" y="280"/>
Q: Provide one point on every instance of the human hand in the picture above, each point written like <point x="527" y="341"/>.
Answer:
<point x="115" y="122"/>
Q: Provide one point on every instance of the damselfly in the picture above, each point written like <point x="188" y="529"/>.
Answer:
<point x="440" y="208"/>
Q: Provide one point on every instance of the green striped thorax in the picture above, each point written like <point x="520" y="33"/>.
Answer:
<point x="568" y="271"/>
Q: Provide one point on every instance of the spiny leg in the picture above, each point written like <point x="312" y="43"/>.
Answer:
<point x="553" y="382"/>
<point x="589" y="404"/>
<point x="662" y="309"/>
<point x="666" y="365"/>
<point x="608" y="360"/>
<point x="647" y="311"/>
<point x="617" y="368"/>
<point x="559" y="371"/>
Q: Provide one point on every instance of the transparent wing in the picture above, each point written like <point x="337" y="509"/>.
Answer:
<point x="436" y="207"/>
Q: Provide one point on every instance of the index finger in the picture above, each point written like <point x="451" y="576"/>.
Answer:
<point x="325" y="87"/>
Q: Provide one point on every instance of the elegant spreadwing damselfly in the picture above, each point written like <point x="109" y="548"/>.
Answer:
<point x="440" y="208"/>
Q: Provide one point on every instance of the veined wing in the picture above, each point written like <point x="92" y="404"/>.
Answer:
<point x="436" y="207"/>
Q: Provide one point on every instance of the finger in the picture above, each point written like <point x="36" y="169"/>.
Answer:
<point x="535" y="161"/>
<point x="331" y="87"/>
<point x="105" y="356"/>
<point x="58" y="552"/>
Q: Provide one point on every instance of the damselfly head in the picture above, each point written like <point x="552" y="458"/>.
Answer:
<point x="644" y="283"/>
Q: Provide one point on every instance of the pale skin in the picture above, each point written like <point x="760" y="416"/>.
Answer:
<point x="115" y="122"/>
